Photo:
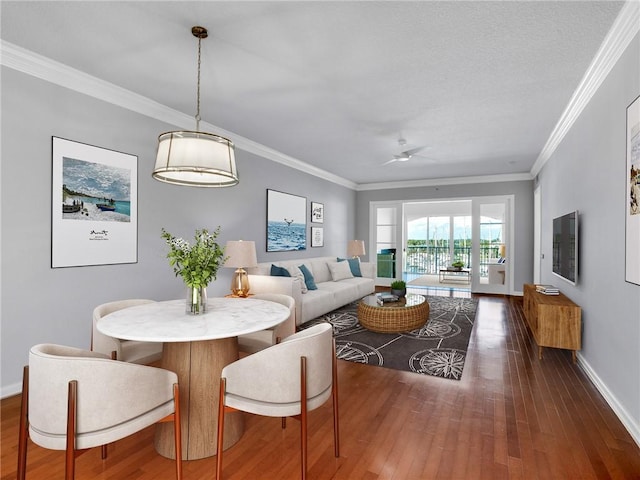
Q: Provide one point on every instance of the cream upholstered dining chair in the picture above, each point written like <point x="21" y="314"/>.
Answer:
<point x="290" y="378"/>
<point x="256" y="341"/>
<point x="75" y="399"/>
<point x="125" y="350"/>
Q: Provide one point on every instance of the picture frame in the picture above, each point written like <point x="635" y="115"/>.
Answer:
<point x="632" y="194"/>
<point x="317" y="212"/>
<point x="317" y="237"/>
<point x="286" y="222"/>
<point x="94" y="205"/>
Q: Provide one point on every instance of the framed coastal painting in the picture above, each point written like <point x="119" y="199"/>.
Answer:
<point x="94" y="209"/>
<point x="317" y="212"/>
<point x="632" y="187"/>
<point x="317" y="237"/>
<point x="286" y="222"/>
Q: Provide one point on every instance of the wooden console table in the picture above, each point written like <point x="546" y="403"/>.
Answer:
<point x="555" y="321"/>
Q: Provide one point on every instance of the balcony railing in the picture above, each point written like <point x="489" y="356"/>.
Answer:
<point x="429" y="260"/>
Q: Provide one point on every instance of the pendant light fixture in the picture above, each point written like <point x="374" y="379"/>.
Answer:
<point x="196" y="159"/>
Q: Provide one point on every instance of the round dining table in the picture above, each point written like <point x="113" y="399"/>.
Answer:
<point x="196" y="348"/>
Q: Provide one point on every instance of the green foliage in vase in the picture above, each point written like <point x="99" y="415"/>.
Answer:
<point x="458" y="264"/>
<point x="398" y="285"/>
<point x="197" y="264"/>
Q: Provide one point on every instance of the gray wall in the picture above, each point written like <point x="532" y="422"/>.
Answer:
<point x="588" y="173"/>
<point x="41" y="304"/>
<point x="523" y="214"/>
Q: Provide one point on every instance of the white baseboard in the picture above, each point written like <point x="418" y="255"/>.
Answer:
<point x="627" y="420"/>
<point x="11" y="390"/>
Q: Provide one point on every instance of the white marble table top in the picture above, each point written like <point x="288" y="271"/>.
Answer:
<point x="168" y="321"/>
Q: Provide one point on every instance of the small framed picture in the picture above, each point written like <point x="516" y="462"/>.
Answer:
<point x="317" y="212"/>
<point x="317" y="237"/>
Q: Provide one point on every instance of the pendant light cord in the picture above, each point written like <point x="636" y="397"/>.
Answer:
<point x="198" y="94"/>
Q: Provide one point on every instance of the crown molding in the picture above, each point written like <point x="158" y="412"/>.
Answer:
<point x="35" y="65"/>
<point x="623" y="30"/>
<point x="438" y="182"/>
<point x="46" y="69"/>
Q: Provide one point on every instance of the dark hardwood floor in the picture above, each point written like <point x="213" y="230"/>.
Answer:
<point x="511" y="416"/>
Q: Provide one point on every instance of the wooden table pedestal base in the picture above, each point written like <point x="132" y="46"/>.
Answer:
<point x="198" y="365"/>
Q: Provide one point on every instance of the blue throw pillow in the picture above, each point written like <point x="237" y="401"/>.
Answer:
<point x="279" y="271"/>
<point x="308" y="278"/>
<point x="354" y="265"/>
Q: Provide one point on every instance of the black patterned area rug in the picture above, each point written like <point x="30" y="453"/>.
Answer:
<point x="439" y="348"/>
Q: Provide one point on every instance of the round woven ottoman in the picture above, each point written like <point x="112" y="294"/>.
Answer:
<point x="404" y="315"/>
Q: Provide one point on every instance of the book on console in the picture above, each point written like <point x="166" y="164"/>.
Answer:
<point x="547" y="289"/>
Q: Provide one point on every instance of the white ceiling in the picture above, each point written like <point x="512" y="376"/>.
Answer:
<point x="336" y="84"/>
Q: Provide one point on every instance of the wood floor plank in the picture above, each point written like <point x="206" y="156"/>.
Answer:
<point x="511" y="416"/>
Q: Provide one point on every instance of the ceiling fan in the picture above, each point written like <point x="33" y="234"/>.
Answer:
<point x="404" y="155"/>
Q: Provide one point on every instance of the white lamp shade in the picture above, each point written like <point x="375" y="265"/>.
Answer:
<point x="355" y="248"/>
<point x="196" y="159"/>
<point x="240" y="254"/>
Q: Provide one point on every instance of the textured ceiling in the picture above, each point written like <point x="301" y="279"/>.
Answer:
<point x="335" y="84"/>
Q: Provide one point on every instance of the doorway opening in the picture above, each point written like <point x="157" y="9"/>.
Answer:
<point x="458" y="244"/>
<point x="437" y="244"/>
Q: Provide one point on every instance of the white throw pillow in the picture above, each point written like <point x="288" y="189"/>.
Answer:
<point x="339" y="270"/>
<point x="295" y="272"/>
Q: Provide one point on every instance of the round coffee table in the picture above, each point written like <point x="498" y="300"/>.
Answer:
<point x="404" y="315"/>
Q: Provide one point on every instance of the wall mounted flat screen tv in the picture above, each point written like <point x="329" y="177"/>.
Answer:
<point x="565" y="247"/>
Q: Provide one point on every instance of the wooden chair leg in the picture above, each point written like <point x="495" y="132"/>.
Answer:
<point x="334" y="390"/>
<point x="284" y="419"/>
<point x="177" y="430"/>
<point x="70" y="454"/>
<point x="303" y="415"/>
<point x="23" y="429"/>
<point x="223" y="389"/>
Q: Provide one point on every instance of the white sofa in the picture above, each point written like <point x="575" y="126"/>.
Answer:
<point x="313" y="303"/>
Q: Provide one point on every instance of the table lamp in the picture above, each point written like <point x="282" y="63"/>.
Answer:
<point x="240" y="254"/>
<point x="355" y="248"/>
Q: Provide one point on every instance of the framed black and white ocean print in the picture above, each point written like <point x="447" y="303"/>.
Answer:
<point x="94" y="209"/>
<point x="632" y="185"/>
<point x="286" y="222"/>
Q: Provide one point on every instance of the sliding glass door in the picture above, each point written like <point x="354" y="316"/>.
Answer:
<point x="415" y="239"/>
<point x="438" y="234"/>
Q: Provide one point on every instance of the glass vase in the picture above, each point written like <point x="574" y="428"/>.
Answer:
<point x="196" y="300"/>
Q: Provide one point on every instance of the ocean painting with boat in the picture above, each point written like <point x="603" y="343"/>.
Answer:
<point x="286" y="222"/>
<point x="95" y="191"/>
